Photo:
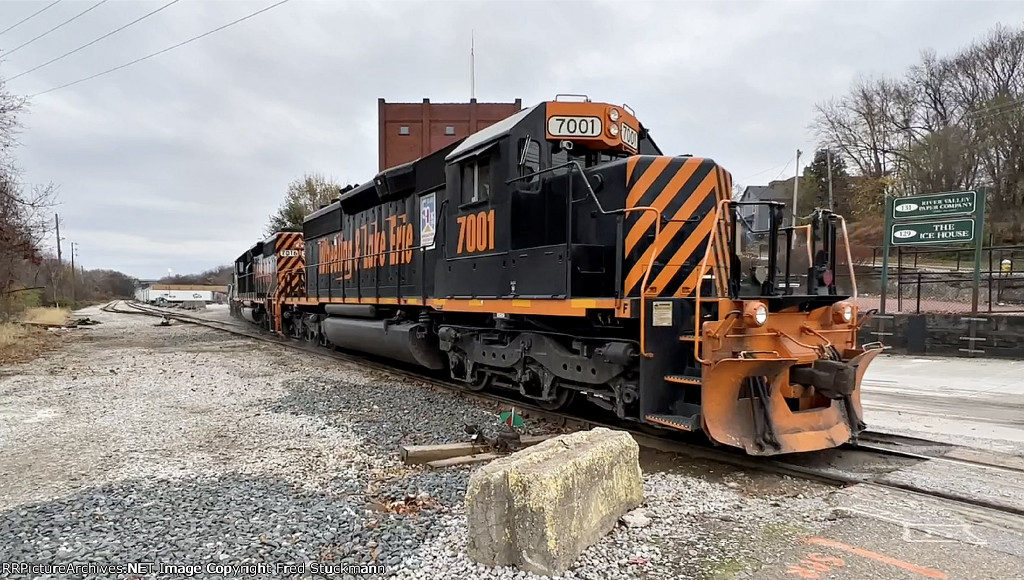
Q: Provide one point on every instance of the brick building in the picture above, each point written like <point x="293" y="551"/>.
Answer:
<point x="408" y="131"/>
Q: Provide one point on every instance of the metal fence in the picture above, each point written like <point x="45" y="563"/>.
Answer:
<point x="918" y="292"/>
<point x="943" y="281"/>
<point x="939" y="280"/>
<point x="956" y="259"/>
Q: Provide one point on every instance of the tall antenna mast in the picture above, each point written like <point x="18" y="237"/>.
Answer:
<point x="472" y="64"/>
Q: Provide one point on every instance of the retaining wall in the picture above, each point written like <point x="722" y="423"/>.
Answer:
<point x="997" y="336"/>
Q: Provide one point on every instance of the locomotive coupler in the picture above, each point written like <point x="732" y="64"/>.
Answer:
<point x="830" y="378"/>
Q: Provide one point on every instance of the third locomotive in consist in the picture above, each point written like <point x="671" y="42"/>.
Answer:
<point x="560" y="254"/>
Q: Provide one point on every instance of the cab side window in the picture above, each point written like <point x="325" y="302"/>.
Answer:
<point x="476" y="180"/>
<point x="529" y="150"/>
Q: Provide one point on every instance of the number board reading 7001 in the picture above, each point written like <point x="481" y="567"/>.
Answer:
<point x="630" y="136"/>
<point x="571" y="126"/>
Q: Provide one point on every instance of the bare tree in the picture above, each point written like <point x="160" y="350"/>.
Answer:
<point x="221" y="275"/>
<point x="949" y="123"/>
<point x="24" y="212"/>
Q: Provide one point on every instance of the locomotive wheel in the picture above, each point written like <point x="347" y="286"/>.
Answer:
<point x="562" y="398"/>
<point x="479" y="383"/>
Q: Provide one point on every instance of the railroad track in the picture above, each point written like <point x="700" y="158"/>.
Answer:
<point x="873" y="446"/>
<point x="896" y="446"/>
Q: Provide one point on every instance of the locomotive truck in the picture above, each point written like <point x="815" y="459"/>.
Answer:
<point x="560" y="254"/>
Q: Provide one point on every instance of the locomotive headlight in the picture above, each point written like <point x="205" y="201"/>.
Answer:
<point x="842" y="312"/>
<point x="613" y="130"/>
<point x="761" y="315"/>
<point x="756" y="313"/>
<point x="613" y="115"/>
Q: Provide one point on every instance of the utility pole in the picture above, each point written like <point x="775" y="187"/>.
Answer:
<point x="828" y="160"/>
<point x="55" y="279"/>
<point x="796" y="193"/>
<point x="56" y="221"/>
<point x="472" y="64"/>
<point x="72" y="272"/>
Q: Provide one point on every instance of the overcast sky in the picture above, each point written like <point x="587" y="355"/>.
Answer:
<point x="177" y="161"/>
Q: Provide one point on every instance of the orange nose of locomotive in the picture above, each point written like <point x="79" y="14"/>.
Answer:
<point x="745" y="360"/>
<point x="782" y="382"/>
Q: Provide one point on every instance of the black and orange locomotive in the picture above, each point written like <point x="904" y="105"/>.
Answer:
<point x="560" y="254"/>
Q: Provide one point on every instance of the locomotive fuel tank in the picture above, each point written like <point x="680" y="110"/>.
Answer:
<point x="404" y="341"/>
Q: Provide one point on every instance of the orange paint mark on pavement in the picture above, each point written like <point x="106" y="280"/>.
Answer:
<point x="927" y="572"/>
<point x="814" y="565"/>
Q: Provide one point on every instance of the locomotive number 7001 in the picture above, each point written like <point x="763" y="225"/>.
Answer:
<point x="476" y="232"/>
<point x="574" y="126"/>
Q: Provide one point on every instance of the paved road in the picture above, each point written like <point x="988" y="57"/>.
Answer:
<point x="977" y="402"/>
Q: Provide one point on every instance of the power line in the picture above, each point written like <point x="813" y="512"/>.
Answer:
<point x="784" y="167"/>
<point x="159" y="52"/>
<point x="29" y="17"/>
<point x="783" y="170"/>
<point x="87" y="45"/>
<point x="73" y="18"/>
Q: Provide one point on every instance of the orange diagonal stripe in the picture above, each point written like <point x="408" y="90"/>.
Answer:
<point x="927" y="572"/>
<point x="630" y="166"/>
<point x="653" y="171"/>
<point x="675" y="263"/>
<point x="636" y="273"/>
<point x="671" y="190"/>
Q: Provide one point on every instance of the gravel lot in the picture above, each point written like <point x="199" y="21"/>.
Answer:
<point x="183" y="445"/>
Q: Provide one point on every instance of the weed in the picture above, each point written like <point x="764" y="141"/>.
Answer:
<point x="40" y="315"/>
<point x="11" y="333"/>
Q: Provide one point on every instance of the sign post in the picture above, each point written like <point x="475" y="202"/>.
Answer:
<point x="885" y="252"/>
<point x="979" y="225"/>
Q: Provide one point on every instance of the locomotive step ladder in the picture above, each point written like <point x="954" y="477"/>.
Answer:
<point x="687" y="417"/>
<point x="684" y="379"/>
<point x="689" y="420"/>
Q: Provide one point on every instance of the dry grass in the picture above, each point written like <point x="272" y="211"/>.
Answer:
<point x="27" y="340"/>
<point x="20" y="343"/>
<point x="53" y="316"/>
<point x="11" y="334"/>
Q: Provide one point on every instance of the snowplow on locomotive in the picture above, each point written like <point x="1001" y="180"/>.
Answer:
<point x="560" y="254"/>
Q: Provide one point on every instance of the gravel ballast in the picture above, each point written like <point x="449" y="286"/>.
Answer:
<point x="186" y="446"/>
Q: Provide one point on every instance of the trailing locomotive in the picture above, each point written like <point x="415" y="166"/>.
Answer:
<point x="560" y="254"/>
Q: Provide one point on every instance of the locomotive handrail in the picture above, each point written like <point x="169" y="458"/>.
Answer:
<point x="849" y="258"/>
<point x="704" y="268"/>
<point x="647" y="274"/>
<point x="807" y="229"/>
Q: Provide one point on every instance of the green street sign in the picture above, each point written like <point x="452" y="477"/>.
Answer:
<point x="951" y="231"/>
<point x="935" y="205"/>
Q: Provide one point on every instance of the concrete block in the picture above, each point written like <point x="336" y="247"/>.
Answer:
<point x="539" y="508"/>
